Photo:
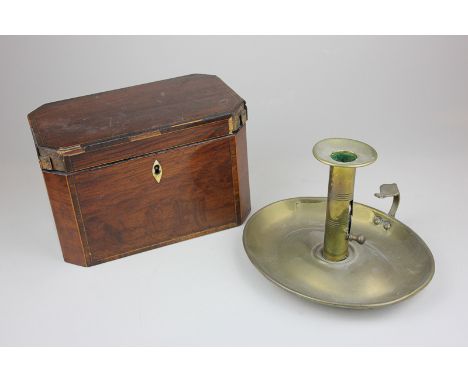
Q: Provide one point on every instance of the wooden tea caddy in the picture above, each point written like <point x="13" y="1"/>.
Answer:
<point x="140" y="167"/>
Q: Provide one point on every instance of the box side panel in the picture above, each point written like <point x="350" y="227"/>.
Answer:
<point x="125" y="210"/>
<point x="240" y="172"/>
<point x="65" y="218"/>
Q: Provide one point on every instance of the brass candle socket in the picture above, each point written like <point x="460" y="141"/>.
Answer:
<point x="339" y="213"/>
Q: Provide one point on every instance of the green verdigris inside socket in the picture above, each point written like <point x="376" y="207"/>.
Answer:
<point x="343" y="156"/>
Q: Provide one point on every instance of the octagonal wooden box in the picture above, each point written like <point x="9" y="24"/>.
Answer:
<point x="140" y="167"/>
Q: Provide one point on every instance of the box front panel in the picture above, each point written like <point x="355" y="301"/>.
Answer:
<point x="125" y="210"/>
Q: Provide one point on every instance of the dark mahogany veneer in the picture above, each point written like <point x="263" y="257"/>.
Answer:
<point x="97" y="153"/>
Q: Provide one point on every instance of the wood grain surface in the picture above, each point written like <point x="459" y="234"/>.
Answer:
<point x="106" y="118"/>
<point x="117" y="210"/>
<point x="97" y="154"/>
<point x="66" y="219"/>
<point x="124" y="209"/>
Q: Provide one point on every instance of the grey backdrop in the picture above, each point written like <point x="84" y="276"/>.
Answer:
<point x="406" y="96"/>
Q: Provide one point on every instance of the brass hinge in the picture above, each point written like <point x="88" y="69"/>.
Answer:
<point x="238" y="120"/>
<point x="54" y="159"/>
<point x="46" y="163"/>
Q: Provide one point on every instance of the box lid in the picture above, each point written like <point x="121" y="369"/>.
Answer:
<point x="102" y="128"/>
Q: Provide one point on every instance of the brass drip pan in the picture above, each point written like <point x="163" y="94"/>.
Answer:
<point x="284" y="240"/>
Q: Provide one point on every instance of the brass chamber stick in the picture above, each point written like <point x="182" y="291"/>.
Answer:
<point x="333" y="250"/>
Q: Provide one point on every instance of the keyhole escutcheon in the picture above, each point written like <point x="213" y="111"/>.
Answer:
<point x="157" y="171"/>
